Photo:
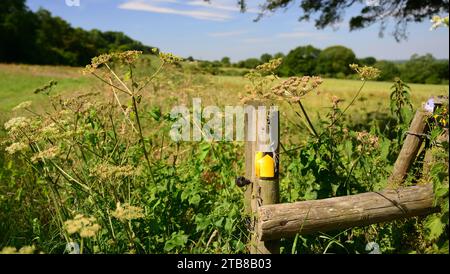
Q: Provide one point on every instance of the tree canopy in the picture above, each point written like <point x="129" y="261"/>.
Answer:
<point x="40" y="38"/>
<point x="330" y="12"/>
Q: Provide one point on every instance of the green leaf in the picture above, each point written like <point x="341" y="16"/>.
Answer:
<point x="204" y="150"/>
<point x="218" y="223"/>
<point x="201" y="221"/>
<point x="435" y="227"/>
<point x="195" y="199"/>
<point x="229" y="224"/>
<point x="177" y="240"/>
<point x="155" y="113"/>
<point x="441" y="192"/>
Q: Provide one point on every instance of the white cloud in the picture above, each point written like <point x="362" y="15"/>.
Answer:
<point x="227" y="33"/>
<point x="197" y="14"/>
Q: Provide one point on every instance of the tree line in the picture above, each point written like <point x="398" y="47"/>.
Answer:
<point x="40" y="38"/>
<point x="333" y="62"/>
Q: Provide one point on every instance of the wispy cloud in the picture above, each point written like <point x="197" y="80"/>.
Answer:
<point x="227" y="33"/>
<point x="257" y="40"/>
<point x="220" y="5"/>
<point x="302" y="34"/>
<point x="197" y="14"/>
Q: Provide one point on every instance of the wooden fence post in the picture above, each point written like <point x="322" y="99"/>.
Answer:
<point x="262" y="191"/>
<point x="409" y="150"/>
<point x="413" y="141"/>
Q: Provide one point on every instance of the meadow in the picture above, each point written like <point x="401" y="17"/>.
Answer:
<point x="17" y="83"/>
<point x="89" y="161"/>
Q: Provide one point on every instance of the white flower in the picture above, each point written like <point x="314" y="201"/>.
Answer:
<point x="15" y="147"/>
<point x="22" y="105"/>
<point x="17" y="122"/>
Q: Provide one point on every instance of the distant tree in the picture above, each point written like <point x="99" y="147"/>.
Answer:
<point x="41" y="38"/>
<point x="331" y="12"/>
<point x="334" y="60"/>
<point x="441" y="68"/>
<point x="389" y="70"/>
<point x="190" y="59"/>
<point x="249" y="63"/>
<point x="424" y="69"/>
<point x="300" y="61"/>
<point x="368" y="61"/>
<point x="265" y="58"/>
<point x="279" y="55"/>
<point x="18" y="31"/>
<point x="226" y="61"/>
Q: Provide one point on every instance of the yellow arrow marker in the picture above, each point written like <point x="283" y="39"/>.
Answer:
<point x="267" y="167"/>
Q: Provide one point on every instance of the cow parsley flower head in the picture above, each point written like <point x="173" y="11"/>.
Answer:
<point x="16" y="147"/>
<point x="366" y="72"/>
<point x="23" y="105"/>
<point x="127" y="212"/>
<point x="17" y="123"/>
<point x="85" y="226"/>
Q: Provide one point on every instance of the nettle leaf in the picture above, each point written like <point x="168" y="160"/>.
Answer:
<point x="435" y="227"/>
<point x="441" y="192"/>
<point x="204" y="150"/>
<point x="202" y="222"/>
<point x="218" y="223"/>
<point x="195" y="199"/>
<point x="229" y="224"/>
<point x="178" y="239"/>
<point x="185" y="194"/>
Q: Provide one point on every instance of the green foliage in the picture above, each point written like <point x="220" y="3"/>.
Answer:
<point x="368" y="61"/>
<point x="248" y="63"/>
<point x="401" y="106"/>
<point x="437" y="225"/>
<point x="424" y="69"/>
<point x="389" y="71"/>
<point x="334" y="60"/>
<point x="40" y="38"/>
<point x="300" y="61"/>
<point x="327" y="13"/>
<point x="266" y="58"/>
<point x="226" y="61"/>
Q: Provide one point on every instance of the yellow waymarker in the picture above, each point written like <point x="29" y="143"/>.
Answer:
<point x="267" y="167"/>
<point x="264" y="165"/>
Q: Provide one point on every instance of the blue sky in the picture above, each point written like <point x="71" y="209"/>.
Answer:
<point x="211" y="31"/>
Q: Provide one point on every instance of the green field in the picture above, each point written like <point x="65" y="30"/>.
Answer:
<point x="17" y="83"/>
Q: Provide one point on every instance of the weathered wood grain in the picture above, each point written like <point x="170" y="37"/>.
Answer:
<point x="286" y="220"/>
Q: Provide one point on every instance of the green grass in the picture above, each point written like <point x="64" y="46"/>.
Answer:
<point x="17" y="83"/>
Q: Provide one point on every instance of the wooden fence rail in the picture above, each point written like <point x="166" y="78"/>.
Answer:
<point x="286" y="220"/>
